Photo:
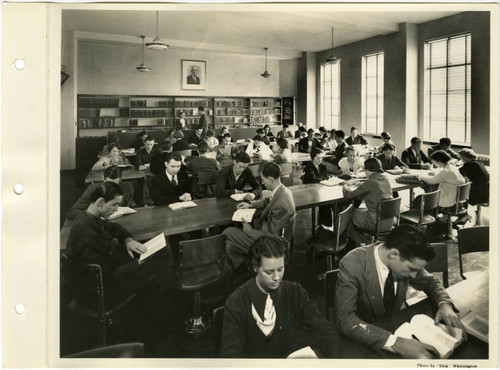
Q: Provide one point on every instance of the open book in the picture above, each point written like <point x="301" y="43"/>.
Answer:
<point x="332" y="181"/>
<point x="153" y="246"/>
<point x="181" y="205"/>
<point x="121" y="211"/>
<point x="396" y="171"/>
<point x="239" y="197"/>
<point x="245" y="213"/>
<point x="422" y="328"/>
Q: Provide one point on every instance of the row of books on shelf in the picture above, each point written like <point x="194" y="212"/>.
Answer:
<point x="189" y="112"/>
<point x="144" y="104"/>
<point x="265" y="111"/>
<point x="232" y="111"/>
<point x="92" y="102"/>
<point x="262" y="119"/>
<point x="169" y="121"/>
<point x="96" y="122"/>
<point x="231" y="103"/>
<point x="266" y="103"/>
<point x="229" y="120"/>
<point x="191" y="103"/>
<point x="151" y="113"/>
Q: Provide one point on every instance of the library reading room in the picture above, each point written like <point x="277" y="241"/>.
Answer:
<point x="281" y="181"/>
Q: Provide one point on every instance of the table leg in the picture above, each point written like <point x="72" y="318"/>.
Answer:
<point x="411" y="197"/>
<point x="313" y="220"/>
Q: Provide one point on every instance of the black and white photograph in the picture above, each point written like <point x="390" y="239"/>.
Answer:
<point x="325" y="200"/>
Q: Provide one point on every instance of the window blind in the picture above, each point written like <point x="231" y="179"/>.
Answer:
<point x="372" y="93"/>
<point x="330" y="96"/>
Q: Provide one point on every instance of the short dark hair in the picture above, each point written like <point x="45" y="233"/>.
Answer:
<point x="386" y="135"/>
<point x="176" y="156"/>
<point x="310" y="131"/>
<point x="415" y="139"/>
<point x="227" y="134"/>
<point x="167" y="145"/>
<point x="178" y="134"/>
<point x="285" y="125"/>
<point x="315" y="151"/>
<point x="149" y="138"/>
<point x="411" y="243"/>
<point x="107" y="190"/>
<point x="114" y="145"/>
<point x="322" y="129"/>
<point x="440" y="156"/>
<point x="266" y="126"/>
<point x="282" y="143"/>
<point x="201" y="109"/>
<point x="269" y="246"/>
<point x="388" y="147"/>
<point x="210" y="133"/>
<point x="260" y="131"/>
<point x="257" y="138"/>
<point x="302" y="129"/>
<point x="340" y="134"/>
<point x="142" y="133"/>
<point x="202" y="147"/>
<point x="270" y="169"/>
<point x="350" y="149"/>
<point x="224" y="128"/>
<point x="353" y="128"/>
<point x="468" y="153"/>
<point x="242" y="157"/>
<point x="445" y="141"/>
<point x="113" y="173"/>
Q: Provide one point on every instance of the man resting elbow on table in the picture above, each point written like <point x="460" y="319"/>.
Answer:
<point x="233" y="179"/>
<point x="372" y="284"/>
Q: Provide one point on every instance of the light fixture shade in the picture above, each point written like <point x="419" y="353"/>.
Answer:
<point x="143" y="68"/>
<point x="157" y="44"/>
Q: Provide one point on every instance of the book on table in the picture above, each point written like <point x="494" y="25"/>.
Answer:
<point x="239" y="197"/>
<point x="153" y="246"/>
<point x="245" y="214"/>
<point x="395" y="171"/>
<point x="121" y="211"/>
<point x="181" y="205"/>
<point x="332" y="181"/>
<point x="422" y="328"/>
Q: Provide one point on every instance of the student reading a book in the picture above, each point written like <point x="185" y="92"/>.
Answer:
<point x="111" y="174"/>
<point x="196" y="136"/>
<point x="389" y="160"/>
<point x="268" y="317"/>
<point x="414" y="157"/>
<point x="171" y="185"/>
<point x="355" y="138"/>
<point x="95" y="240"/>
<point x="372" y="284"/>
<point x="178" y="141"/>
<point x="269" y="133"/>
<point x="351" y="164"/>
<point x="140" y="140"/>
<point x="233" y="179"/>
<point x="314" y="172"/>
<point x="386" y="139"/>
<point x="284" y="133"/>
<point x="444" y="145"/>
<point x="256" y="148"/>
<point x="211" y="140"/>
<point x="202" y="163"/>
<point x="340" y="148"/>
<point x="225" y="149"/>
<point x="329" y="142"/>
<point x="307" y="143"/>
<point x="264" y="138"/>
<point x="284" y="155"/>
<point x="111" y="158"/>
<point x="145" y="154"/>
<point x="278" y="211"/>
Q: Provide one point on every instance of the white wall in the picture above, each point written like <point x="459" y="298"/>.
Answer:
<point x="68" y="127"/>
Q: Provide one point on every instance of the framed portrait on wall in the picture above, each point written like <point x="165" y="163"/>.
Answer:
<point x="194" y="74"/>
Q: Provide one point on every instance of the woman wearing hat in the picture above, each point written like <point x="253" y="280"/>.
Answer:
<point x="375" y="189"/>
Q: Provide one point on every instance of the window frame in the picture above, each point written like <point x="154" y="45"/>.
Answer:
<point x="379" y="90"/>
<point x="331" y="123"/>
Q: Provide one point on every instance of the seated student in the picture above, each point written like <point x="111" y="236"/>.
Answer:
<point x="225" y="149"/>
<point x="95" y="240"/>
<point x="318" y="137"/>
<point x="314" y="172"/>
<point x="263" y="137"/>
<point x="372" y="284"/>
<point x="351" y="164"/>
<point x="477" y="174"/>
<point x="285" y="154"/>
<point x="178" y="141"/>
<point x="224" y="130"/>
<point x="329" y="142"/>
<point x="323" y="132"/>
<point x="211" y="140"/>
<point x="180" y="123"/>
<point x="232" y="179"/>
<point x="268" y="317"/>
<point x="375" y="189"/>
<point x="203" y="162"/>
<point x="444" y="144"/>
<point x="157" y="164"/>
<point x="386" y="139"/>
<point x="340" y="148"/>
<point x="278" y="211"/>
<point x="284" y="133"/>
<point x="306" y="143"/>
<point x="298" y="131"/>
<point x="171" y="185"/>
<point x="268" y="133"/>
<point x="389" y="160"/>
<point x="111" y="174"/>
<point x="140" y="140"/>
<point x="112" y="158"/>
<point x="414" y="157"/>
<point x="355" y="138"/>
<point x="196" y="136"/>
<point x="257" y="148"/>
<point x="145" y="154"/>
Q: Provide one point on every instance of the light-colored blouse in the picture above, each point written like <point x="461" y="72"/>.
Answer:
<point x="448" y="179"/>
<point x="357" y="166"/>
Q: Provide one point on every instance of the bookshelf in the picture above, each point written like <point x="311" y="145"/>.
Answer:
<point x="151" y="111"/>
<point x="265" y="111"/>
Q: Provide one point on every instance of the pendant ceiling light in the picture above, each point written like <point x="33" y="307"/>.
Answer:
<point x="157" y="44"/>
<point x="143" y="67"/>
<point x="266" y="74"/>
<point x="332" y="59"/>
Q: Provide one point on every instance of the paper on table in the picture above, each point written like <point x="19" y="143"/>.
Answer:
<point x="181" y="205"/>
<point x="121" y="211"/>
<point x="245" y="213"/>
<point x="238" y="197"/>
<point x="332" y="181"/>
<point x="153" y="246"/>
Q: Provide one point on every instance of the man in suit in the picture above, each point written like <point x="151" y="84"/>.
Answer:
<point x="389" y="160"/>
<point x="414" y="157"/>
<point x="372" y="284"/>
<point x="145" y="154"/>
<point x="278" y="211"/>
<point x="232" y="179"/>
<point x="297" y="132"/>
<point x="341" y="146"/>
<point x="444" y="144"/>
<point x="193" y="78"/>
<point x="355" y="139"/>
<point x="196" y="137"/>
<point x="171" y="185"/>
<point x="202" y="163"/>
<point x="202" y="122"/>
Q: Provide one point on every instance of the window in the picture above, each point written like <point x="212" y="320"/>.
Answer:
<point x="447" y="107"/>
<point x="372" y="93"/>
<point x="330" y="96"/>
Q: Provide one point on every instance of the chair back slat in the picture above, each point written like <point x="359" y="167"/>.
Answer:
<point x="440" y="261"/>
<point x="207" y="177"/>
<point x="344" y="219"/>
<point x="330" y="283"/>
<point x="288" y="230"/>
<point x="387" y="215"/>
<point x="431" y="200"/>
<point x="463" y="192"/>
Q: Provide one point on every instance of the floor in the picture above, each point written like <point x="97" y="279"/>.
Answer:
<point x="163" y="334"/>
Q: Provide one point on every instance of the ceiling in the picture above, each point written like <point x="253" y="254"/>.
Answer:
<point x="286" y="29"/>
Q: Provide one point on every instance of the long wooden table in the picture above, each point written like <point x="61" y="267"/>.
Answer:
<point x="465" y="297"/>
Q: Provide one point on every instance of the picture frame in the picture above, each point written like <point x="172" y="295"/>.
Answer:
<point x="193" y="74"/>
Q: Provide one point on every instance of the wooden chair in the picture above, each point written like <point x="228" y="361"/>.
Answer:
<point x="460" y="200"/>
<point x="426" y="213"/>
<point x="205" y="182"/>
<point x="440" y="261"/>
<point x="330" y="242"/>
<point x="122" y="350"/>
<point x="470" y="240"/>
<point x="478" y="212"/>
<point x="287" y="232"/>
<point x="201" y="263"/>
<point x="387" y="211"/>
<point x="218" y="320"/>
<point x="85" y="282"/>
<point x="329" y="284"/>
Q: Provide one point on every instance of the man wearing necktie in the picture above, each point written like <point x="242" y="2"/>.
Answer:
<point x="171" y="185"/>
<point x="372" y="284"/>
<point x="193" y="78"/>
